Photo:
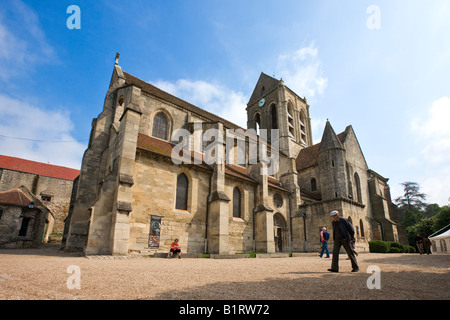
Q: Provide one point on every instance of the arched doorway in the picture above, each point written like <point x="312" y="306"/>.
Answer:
<point x="279" y="228"/>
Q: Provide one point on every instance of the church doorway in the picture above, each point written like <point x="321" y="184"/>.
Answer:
<point x="279" y="228"/>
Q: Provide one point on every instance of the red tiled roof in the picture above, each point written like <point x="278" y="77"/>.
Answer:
<point x="154" y="91"/>
<point x="238" y="171"/>
<point x="39" y="168"/>
<point x="21" y="197"/>
<point x="14" y="197"/>
<point x="164" y="148"/>
<point x="307" y="157"/>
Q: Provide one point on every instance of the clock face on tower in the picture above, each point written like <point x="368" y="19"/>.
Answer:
<point x="261" y="102"/>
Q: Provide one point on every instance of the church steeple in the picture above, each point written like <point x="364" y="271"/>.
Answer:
<point x="329" y="139"/>
<point x="274" y="106"/>
<point x="332" y="165"/>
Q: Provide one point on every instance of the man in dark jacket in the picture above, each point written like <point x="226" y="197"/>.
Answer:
<point x="343" y="235"/>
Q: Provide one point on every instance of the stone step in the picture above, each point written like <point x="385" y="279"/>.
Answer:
<point x="229" y="256"/>
<point x="272" y="255"/>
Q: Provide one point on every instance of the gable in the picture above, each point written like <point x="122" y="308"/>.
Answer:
<point x="165" y="96"/>
<point x="264" y="85"/>
<point x="42" y="169"/>
<point x="21" y="197"/>
<point x="353" y="149"/>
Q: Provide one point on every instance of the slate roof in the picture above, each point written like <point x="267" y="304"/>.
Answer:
<point x="39" y="168"/>
<point x="307" y="157"/>
<point x="158" y="93"/>
<point x="164" y="148"/>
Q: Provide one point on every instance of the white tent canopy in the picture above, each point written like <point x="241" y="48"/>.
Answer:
<point x="443" y="235"/>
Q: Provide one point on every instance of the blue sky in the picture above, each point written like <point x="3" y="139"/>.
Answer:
<point x="385" y="72"/>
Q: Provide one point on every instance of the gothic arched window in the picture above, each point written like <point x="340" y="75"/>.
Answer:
<point x="291" y="121"/>
<point x="358" y="188"/>
<point x="257" y="123"/>
<point x="361" y="226"/>
<point x="273" y="114"/>
<point x="236" y="203"/>
<point x="313" y="185"/>
<point x="303" y="127"/>
<point x="160" y="126"/>
<point x="182" y="192"/>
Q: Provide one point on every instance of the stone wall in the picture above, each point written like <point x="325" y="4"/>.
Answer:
<point x="57" y="191"/>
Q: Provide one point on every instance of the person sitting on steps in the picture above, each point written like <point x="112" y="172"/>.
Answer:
<point x="175" y="248"/>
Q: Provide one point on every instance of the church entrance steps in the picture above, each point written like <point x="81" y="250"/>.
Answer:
<point x="111" y="257"/>
<point x="164" y="255"/>
<point x="272" y="255"/>
<point x="229" y="256"/>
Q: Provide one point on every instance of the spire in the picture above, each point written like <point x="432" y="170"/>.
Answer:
<point x="329" y="139"/>
<point x="117" y="59"/>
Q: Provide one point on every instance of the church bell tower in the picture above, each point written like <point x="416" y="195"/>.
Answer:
<point x="274" y="106"/>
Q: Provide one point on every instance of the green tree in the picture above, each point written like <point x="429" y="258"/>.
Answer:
<point x="412" y="197"/>
<point x="442" y="219"/>
<point x="411" y="218"/>
<point x="431" y="210"/>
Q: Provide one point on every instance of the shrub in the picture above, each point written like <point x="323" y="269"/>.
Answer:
<point x="410" y="249"/>
<point x="398" y="245"/>
<point x="378" y="246"/>
<point x="395" y="250"/>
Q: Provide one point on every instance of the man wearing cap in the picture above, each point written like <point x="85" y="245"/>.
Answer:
<point x="343" y="235"/>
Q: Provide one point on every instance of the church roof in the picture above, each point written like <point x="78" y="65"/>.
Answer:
<point x="158" y="93"/>
<point x="164" y="148"/>
<point x="15" y="197"/>
<point x="264" y="85"/>
<point x="39" y="168"/>
<point x="329" y="139"/>
<point x="307" y="157"/>
<point x="21" y="197"/>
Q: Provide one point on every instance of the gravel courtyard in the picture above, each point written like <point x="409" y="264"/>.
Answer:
<point x="30" y="274"/>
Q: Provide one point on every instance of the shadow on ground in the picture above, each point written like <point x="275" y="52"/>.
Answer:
<point x="403" y="285"/>
<point x="47" y="249"/>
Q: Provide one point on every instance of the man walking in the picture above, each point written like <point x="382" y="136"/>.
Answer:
<point x="343" y="234"/>
<point x="324" y="237"/>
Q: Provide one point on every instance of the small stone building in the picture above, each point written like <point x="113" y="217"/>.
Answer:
<point x="51" y="184"/>
<point x="24" y="220"/>
<point x="134" y="196"/>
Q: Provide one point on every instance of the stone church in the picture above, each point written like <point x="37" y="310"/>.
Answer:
<point x="132" y="197"/>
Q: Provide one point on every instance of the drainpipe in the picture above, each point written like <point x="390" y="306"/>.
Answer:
<point x="305" y="243"/>
<point x="254" y="208"/>
<point x="207" y="214"/>
<point x="290" y="223"/>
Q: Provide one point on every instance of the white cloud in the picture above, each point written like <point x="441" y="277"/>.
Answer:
<point x="302" y="71"/>
<point x="433" y="133"/>
<point x="436" y="187"/>
<point x="24" y="120"/>
<point x="214" y="98"/>
<point x="317" y="127"/>
<point x="22" y="41"/>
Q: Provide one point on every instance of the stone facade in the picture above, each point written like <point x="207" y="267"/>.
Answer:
<point x="129" y="174"/>
<point x="24" y="220"/>
<point x="49" y="183"/>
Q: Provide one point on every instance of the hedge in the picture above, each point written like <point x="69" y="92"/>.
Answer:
<point x="378" y="246"/>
